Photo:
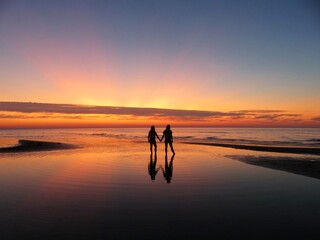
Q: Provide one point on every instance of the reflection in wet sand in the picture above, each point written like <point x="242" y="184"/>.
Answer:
<point x="101" y="190"/>
<point x="152" y="166"/>
<point x="168" y="169"/>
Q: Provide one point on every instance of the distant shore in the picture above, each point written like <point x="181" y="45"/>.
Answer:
<point x="35" y="145"/>
<point x="264" y="148"/>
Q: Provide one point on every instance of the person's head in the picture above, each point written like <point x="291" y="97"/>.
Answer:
<point x="153" y="128"/>
<point x="168" y="127"/>
<point x="168" y="179"/>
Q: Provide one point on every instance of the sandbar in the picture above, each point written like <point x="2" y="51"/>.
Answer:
<point x="35" y="145"/>
<point x="264" y="148"/>
<point x="303" y="166"/>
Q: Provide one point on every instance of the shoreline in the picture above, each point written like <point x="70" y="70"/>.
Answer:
<point x="264" y="148"/>
<point x="25" y="145"/>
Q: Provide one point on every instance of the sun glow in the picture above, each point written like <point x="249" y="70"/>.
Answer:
<point x="83" y="57"/>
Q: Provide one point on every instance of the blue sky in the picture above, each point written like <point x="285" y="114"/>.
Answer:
<point x="204" y="55"/>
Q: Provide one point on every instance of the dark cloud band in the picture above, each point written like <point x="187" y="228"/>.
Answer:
<point x="29" y="107"/>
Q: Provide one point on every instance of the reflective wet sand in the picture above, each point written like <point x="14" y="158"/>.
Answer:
<point x="104" y="190"/>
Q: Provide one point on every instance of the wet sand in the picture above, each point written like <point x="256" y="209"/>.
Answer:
<point x="264" y="148"/>
<point x="309" y="167"/>
<point x="35" y="145"/>
<point x="104" y="190"/>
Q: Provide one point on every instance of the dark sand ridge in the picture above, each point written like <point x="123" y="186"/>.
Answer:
<point x="309" y="167"/>
<point x="265" y="148"/>
<point x="35" y="146"/>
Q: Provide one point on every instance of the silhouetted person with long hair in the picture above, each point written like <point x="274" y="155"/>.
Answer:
<point x="167" y="135"/>
<point x="152" y="167"/>
<point x="152" y="138"/>
<point x="168" y="169"/>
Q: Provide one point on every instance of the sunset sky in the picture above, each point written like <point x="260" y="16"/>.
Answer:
<point x="136" y="63"/>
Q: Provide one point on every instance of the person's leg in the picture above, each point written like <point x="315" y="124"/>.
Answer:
<point x="166" y="147"/>
<point x="151" y="148"/>
<point x="171" y="148"/>
<point x="155" y="148"/>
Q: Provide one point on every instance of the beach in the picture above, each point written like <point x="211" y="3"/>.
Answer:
<point x="159" y="120"/>
<point x="103" y="189"/>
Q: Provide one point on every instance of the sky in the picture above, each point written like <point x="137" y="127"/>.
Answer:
<point x="206" y="63"/>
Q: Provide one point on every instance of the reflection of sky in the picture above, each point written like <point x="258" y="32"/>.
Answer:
<point x="213" y="55"/>
<point x="106" y="191"/>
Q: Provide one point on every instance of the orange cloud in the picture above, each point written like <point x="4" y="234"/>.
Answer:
<point x="23" y="114"/>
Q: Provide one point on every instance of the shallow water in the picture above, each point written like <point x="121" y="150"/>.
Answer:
<point x="104" y="190"/>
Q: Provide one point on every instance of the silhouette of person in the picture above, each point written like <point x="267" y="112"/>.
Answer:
<point x="168" y="169"/>
<point x="167" y="135"/>
<point x="152" y="138"/>
<point x="152" y="167"/>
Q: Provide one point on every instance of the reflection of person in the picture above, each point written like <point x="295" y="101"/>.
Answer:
<point x="167" y="135"/>
<point x="152" y="167"/>
<point x="168" y="169"/>
<point x="152" y="138"/>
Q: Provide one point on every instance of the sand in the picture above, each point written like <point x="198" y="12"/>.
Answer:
<point x="35" y="145"/>
<point x="309" y="167"/>
<point x="264" y="148"/>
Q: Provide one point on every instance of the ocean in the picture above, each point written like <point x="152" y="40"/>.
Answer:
<point x="253" y="136"/>
<point x="111" y="187"/>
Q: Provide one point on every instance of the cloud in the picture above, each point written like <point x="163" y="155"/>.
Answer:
<point x="264" y="114"/>
<point x="316" y="118"/>
<point x="16" y="116"/>
<point x="276" y="116"/>
<point x="48" y="110"/>
<point x="24" y="107"/>
<point x="31" y="116"/>
<point x="257" y="111"/>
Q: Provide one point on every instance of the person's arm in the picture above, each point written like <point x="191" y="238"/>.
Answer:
<point x="162" y="135"/>
<point x="163" y="172"/>
<point x="158" y="137"/>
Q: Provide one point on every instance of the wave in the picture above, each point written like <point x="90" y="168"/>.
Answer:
<point x="212" y="138"/>
<point x="184" y="137"/>
<point x="314" y="140"/>
<point x="251" y="141"/>
<point x="109" y="135"/>
<point x="212" y="132"/>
